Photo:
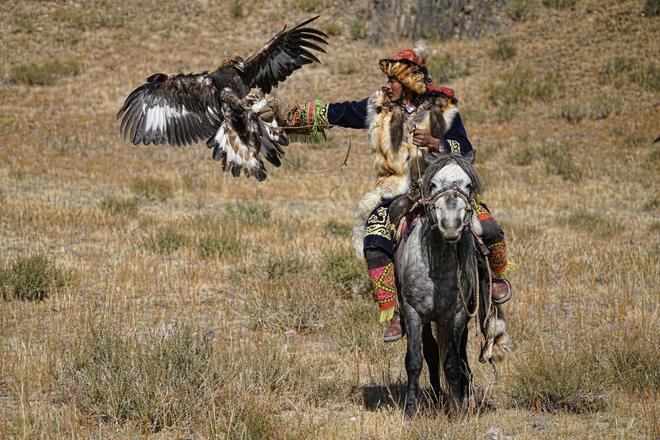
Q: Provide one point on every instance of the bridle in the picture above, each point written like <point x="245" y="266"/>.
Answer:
<point x="429" y="205"/>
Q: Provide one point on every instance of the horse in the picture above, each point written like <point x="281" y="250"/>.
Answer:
<point x="440" y="271"/>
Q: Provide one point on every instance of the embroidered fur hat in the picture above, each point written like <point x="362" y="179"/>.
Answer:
<point x="409" y="67"/>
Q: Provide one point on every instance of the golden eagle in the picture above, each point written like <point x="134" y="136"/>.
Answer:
<point x="222" y="107"/>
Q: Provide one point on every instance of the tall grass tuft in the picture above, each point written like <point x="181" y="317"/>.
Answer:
<point x="445" y="68"/>
<point x="521" y="10"/>
<point x="44" y="74"/>
<point x="652" y="8"/>
<point x="559" y="160"/>
<point x="32" y="278"/>
<point x="157" y="381"/>
<point x="524" y="84"/>
<point x="120" y="206"/>
<point x="559" y="382"/>
<point x="152" y="188"/>
<point x="559" y="4"/>
<point x="164" y="241"/>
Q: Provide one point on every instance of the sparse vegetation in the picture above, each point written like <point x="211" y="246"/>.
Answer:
<point x="309" y="5"/>
<point x="357" y="31"/>
<point x="559" y="4"/>
<point x="521" y="10"/>
<point x="45" y="73"/>
<point x="652" y="8"/>
<point x="120" y="206"/>
<point x="332" y="29"/>
<point x="445" y="68"/>
<point x="248" y="213"/>
<point x="152" y="188"/>
<point x="504" y="49"/>
<point x="164" y="241"/>
<point x="521" y="85"/>
<point x="32" y="278"/>
<point x="559" y="382"/>
<point x="236" y="9"/>
<point x="286" y="342"/>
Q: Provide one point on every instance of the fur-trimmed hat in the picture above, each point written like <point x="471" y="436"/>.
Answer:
<point x="409" y="67"/>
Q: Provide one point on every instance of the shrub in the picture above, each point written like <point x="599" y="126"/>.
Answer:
<point x="44" y="74"/>
<point x="345" y="271"/>
<point x="559" y="382"/>
<point x="634" y="362"/>
<point x="249" y="213"/>
<point x="332" y="29"/>
<point x="523" y="156"/>
<point x="32" y="278"/>
<point x="309" y="5"/>
<point x="505" y="113"/>
<point x="164" y="241"/>
<point x="117" y="206"/>
<point x="445" y="68"/>
<point x="559" y="4"/>
<point x="504" y="49"/>
<point x="652" y="8"/>
<point x="219" y="243"/>
<point x="647" y="76"/>
<point x="236" y="9"/>
<point x="600" y="107"/>
<point x="573" y="112"/>
<point x="357" y="30"/>
<point x="559" y="161"/>
<point x="523" y="84"/>
<point x="337" y="229"/>
<point x="151" y="188"/>
<point x="286" y="265"/>
<point x="521" y="10"/>
<point x="156" y="380"/>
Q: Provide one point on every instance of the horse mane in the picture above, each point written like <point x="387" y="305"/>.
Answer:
<point x="442" y="161"/>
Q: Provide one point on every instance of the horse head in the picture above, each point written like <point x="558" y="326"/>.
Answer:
<point x="451" y="182"/>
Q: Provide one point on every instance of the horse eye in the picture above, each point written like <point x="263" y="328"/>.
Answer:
<point x="469" y="188"/>
<point x="432" y="187"/>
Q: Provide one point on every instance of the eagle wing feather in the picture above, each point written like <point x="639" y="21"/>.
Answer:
<point x="286" y="52"/>
<point x="171" y="109"/>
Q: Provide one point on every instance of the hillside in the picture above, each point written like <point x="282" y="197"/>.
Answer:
<point x="181" y="302"/>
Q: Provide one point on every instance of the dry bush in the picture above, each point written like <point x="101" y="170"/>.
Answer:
<point x="597" y="224"/>
<point x="236" y="9"/>
<point x="157" y="381"/>
<point x="220" y="243"/>
<point x="332" y="29"/>
<point x="522" y="156"/>
<point x="44" y="74"/>
<point x="559" y="160"/>
<point x="567" y="381"/>
<point x="281" y="266"/>
<point x="297" y="302"/>
<point x="32" y="278"/>
<point x="600" y="107"/>
<point x="89" y="19"/>
<point x="358" y="30"/>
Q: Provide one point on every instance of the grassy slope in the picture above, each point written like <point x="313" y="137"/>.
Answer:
<point x="587" y="245"/>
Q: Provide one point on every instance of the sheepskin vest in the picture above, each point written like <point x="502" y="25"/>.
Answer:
<point x="398" y="162"/>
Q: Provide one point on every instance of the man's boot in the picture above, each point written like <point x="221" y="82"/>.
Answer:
<point x="394" y="330"/>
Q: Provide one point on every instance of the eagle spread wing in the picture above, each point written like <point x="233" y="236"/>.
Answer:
<point x="186" y="109"/>
<point x="284" y="53"/>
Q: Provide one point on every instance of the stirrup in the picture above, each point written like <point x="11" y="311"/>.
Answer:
<point x="506" y="297"/>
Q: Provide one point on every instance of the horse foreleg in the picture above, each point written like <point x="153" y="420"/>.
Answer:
<point x="413" y="358"/>
<point x="432" y="357"/>
<point x="456" y="367"/>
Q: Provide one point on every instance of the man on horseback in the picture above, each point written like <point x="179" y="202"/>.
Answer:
<point x="410" y="121"/>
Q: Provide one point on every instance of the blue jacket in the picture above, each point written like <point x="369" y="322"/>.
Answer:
<point x="353" y="114"/>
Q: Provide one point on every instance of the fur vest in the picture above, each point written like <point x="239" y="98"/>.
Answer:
<point x="396" y="158"/>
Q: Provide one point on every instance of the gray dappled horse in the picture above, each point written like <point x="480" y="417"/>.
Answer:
<point x="439" y="272"/>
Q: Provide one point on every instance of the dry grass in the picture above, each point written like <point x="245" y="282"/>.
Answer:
<point x="202" y="306"/>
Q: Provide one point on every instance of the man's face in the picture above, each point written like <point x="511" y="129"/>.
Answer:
<point x="393" y="89"/>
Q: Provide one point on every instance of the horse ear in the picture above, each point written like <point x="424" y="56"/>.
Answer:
<point x="470" y="156"/>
